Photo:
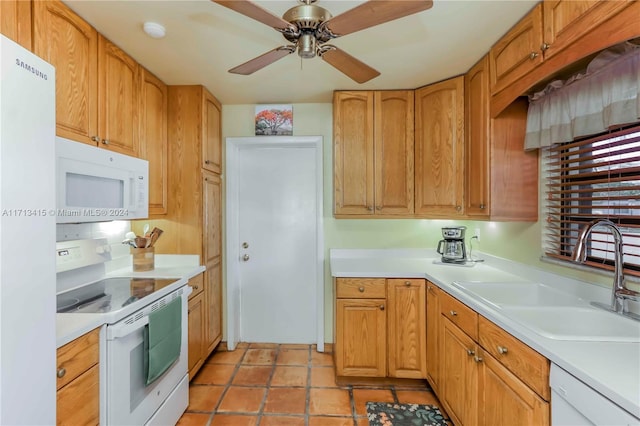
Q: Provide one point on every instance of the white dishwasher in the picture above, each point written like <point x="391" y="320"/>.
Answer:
<point x="574" y="403"/>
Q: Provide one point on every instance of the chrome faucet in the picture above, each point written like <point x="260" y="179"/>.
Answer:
<point x="619" y="292"/>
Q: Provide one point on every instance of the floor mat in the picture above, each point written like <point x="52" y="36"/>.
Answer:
<point x="391" y="414"/>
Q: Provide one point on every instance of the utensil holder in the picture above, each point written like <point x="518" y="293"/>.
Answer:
<point x="143" y="259"/>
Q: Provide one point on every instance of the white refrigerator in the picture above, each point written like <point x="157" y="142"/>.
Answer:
<point x="27" y="238"/>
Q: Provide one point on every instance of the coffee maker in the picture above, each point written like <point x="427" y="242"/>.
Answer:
<point x="452" y="248"/>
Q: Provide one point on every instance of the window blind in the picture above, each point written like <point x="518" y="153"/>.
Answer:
<point x="594" y="178"/>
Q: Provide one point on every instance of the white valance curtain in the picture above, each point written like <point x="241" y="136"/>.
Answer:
<point x="606" y="96"/>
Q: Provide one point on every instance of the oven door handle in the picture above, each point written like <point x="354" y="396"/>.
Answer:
<point x="123" y="329"/>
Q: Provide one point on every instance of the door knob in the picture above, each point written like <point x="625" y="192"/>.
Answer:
<point x="245" y="257"/>
<point x="245" y="245"/>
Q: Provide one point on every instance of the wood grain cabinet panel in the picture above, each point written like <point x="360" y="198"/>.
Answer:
<point x="70" y="44"/>
<point x="153" y="139"/>
<point x="439" y="149"/>
<point x="15" y="21"/>
<point x="118" y="99"/>
<point x="433" y="336"/>
<point x="196" y="333"/>
<point x="212" y="134"/>
<point x="517" y="52"/>
<point x="213" y="306"/>
<point x="212" y="217"/>
<point x="361" y="288"/>
<point x="406" y="325"/>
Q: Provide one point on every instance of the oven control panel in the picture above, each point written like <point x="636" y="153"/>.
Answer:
<point x="79" y="253"/>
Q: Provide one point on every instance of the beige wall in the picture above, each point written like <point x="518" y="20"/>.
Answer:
<point x="517" y="241"/>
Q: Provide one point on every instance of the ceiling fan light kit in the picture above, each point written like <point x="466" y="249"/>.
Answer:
<point x="309" y="27"/>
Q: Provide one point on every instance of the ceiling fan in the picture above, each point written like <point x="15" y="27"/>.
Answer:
<point x="309" y="27"/>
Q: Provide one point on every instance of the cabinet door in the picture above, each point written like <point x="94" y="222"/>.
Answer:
<point x="118" y="99"/>
<point x="477" y="143"/>
<point x="361" y="343"/>
<point x="565" y="21"/>
<point x="353" y="152"/>
<point x="406" y="328"/>
<point x="433" y="339"/>
<point x="153" y="139"/>
<point x="517" y="52"/>
<point x="70" y="44"/>
<point x="78" y="403"/>
<point x="196" y="334"/>
<point x="459" y="387"/>
<point x="212" y="212"/>
<point x="213" y="306"/>
<point x="212" y="133"/>
<point x="393" y="160"/>
<point x="440" y="149"/>
<point x="15" y="21"/>
<point x="505" y="399"/>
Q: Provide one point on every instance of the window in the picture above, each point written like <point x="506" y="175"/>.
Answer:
<point x="595" y="178"/>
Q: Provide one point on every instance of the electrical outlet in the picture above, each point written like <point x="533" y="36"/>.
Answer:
<point x="476" y="233"/>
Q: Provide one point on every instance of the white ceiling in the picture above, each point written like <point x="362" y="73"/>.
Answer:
<point x="204" y="40"/>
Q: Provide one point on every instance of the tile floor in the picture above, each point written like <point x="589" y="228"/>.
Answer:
<point x="283" y="385"/>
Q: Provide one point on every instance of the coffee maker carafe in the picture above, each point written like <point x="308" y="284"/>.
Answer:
<point x="452" y="248"/>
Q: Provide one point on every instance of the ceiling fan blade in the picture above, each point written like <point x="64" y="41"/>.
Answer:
<point x="374" y="12"/>
<point x="347" y="64"/>
<point x="256" y="12"/>
<point x="263" y="60"/>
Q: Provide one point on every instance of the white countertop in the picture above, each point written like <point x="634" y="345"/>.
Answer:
<point x="611" y="368"/>
<point x="71" y="326"/>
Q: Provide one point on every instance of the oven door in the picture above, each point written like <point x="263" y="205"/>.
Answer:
<point x="129" y="400"/>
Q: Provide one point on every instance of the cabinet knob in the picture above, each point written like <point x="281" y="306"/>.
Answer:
<point x="477" y="359"/>
<point x="482" y="206"/>
<point x="533" y="55"/>
<point x="378" y="208"/>
<point x="471" y="352"/>
<point x="195" y="287"/>
<point x="382" y="307"/>
<point x="544" y="46"/>
<point x="458" y="208"/>
<point x="361" y="289"/>
<point x="95" y="139"/>
<point x="105" y="141"/>
<point x="407" y="283"/>
<point x="453" y="313"/>
<point x="370" y="208"/>
<point x="61" y="372"/>
<point x="502" y="350"/>
<point x="207" y="162"/>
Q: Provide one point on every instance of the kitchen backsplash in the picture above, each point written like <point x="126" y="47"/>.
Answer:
<point x="113" y="231"/>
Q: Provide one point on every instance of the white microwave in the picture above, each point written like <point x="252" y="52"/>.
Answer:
<point x="97" y="185"/>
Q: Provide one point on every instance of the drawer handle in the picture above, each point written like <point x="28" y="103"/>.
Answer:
<point x="382" y="307"/>
<point x="502" y="350"/>
<point x="471" y="352"/>
<point x="477" y="359"/>
<point x="361" y="289"/>
<point x="61" y="372"/>
<point x="407" y="283"/>
<point x="453" y="313"/>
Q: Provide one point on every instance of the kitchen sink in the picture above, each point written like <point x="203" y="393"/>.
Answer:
<point x="576" y="323"/>
<point x="502" y="294"/>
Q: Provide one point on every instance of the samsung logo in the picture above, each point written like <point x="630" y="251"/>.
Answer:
<point x="31" y="69"/>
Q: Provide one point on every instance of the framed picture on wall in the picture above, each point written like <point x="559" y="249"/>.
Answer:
<point x="274" y="120"/>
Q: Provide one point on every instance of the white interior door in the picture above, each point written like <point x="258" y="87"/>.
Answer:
<point x="276" y="262"/>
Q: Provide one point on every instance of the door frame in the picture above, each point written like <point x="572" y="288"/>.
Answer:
<point x="233" y="146"/>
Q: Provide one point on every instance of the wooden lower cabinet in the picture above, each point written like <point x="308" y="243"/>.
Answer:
<point x="381" y="328"/>
<point x="213" y="298"/>
<point x="196" y="345"/>
<point x="78" y="381"/>
<point x="433" y="336"/>
<point x="492" y="379"/>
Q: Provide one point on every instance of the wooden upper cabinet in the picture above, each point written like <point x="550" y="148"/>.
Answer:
<point x="15" y="21"/>
<point x="406" y="325"/>
<point x="153" y="139"/>
<point x="70" y="44"/>
<point x="439" y="149"/>
<point x="517" y="52"/>
<point x="118" y="99"/>
<point x="393" y="152"/>
<point x="212" y="137"/>
<point x="353" y="152"/>
<point x="477" y="143"/>
<point x="565" y="21"/>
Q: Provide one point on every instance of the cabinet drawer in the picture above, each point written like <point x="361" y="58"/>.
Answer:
<point x="361" y="288"/>
<point x="459" y="314"/>
<point x="78" y="356"/>
<point x="197" y="284"/>
<point x="78" y="403"/>
<point x="527" y="364"/>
